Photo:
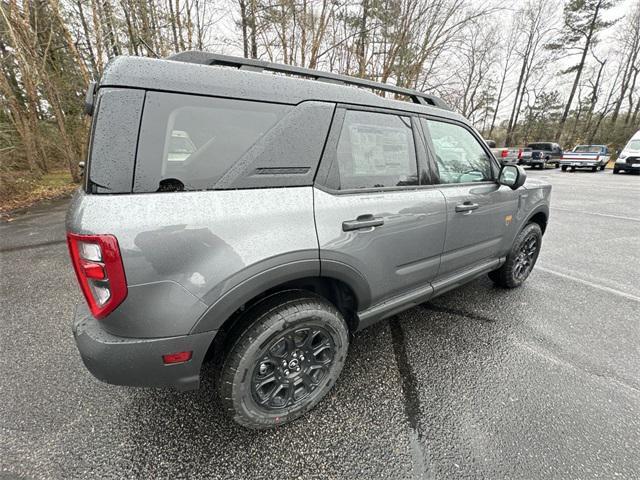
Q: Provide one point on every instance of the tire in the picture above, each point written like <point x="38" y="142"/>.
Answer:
<point x="616" y="171"/>
<point x="557" y="165"/>
<point x="564" y="168"/>
<point x="594" y="169"/>
<point x="521" y="259"/>
<point x="290" y="327"/>
<point x="602" y="167"/>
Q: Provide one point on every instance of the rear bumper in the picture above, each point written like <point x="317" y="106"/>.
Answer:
<point x="531" y="161"/>
<point x="580" y="163"/>
<point x="138" y="361"/>
<point x="627" y="167"/>
<point x="508" y="161"/>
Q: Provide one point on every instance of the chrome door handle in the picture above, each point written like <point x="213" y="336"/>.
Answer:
<point x="363" y="221"/>
<point x="467" y="207"/>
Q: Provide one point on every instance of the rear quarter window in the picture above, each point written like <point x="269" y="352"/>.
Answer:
<point x="189" y="142"/>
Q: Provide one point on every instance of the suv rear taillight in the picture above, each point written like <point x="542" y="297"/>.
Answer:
<point x="98" y="265"/>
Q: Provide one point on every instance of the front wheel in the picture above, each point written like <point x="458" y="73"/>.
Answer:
<point x="521" y="258"/>
<point x="285" y="362"/>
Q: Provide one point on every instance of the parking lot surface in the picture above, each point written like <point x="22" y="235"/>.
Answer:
<point x="537" y="382"/>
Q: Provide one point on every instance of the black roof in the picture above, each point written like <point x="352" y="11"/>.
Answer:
<point x="208" y="74"/>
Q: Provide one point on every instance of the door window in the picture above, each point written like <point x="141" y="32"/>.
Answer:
<point x="374" y="150"/>
<point x="459" y="156"/>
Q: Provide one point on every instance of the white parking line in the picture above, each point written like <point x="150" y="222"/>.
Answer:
<point x="619" y="217"/>
<point x="604" y="288"/>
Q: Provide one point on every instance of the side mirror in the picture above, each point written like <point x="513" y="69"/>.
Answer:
<point x="512" y="176"/>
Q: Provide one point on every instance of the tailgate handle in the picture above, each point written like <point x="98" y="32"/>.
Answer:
<point x="467" y="207"/>
<point x="363" y="221"/>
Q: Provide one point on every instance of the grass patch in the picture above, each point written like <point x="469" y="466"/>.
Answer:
<point x="20" y="190"/>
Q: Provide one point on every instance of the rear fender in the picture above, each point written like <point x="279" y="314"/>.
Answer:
<point x="268" y="276"/>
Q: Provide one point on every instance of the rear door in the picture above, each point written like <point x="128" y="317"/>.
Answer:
<point x="479" y="210"/>
<point x="375" y="208"/>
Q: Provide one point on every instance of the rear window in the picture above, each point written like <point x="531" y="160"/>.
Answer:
<point x="540" y="146"/>
<point x="189" y="142"/>
<point x="588" y="149"/>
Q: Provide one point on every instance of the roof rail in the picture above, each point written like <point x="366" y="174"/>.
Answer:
<point x="204" y="58"/>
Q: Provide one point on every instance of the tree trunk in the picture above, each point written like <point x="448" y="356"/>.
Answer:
<point x="87" y="39"/>
<point x="362" y="42"/>
<point x="244" y="27"/>
<point x="174" y="31"/>
<point x="576" y="80"/>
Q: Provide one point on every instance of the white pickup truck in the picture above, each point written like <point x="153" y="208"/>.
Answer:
<point x="586" y="156"/>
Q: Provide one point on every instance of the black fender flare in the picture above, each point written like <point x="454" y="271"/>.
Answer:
<point x="541" y="208"/>
<point x="248" y="286"/>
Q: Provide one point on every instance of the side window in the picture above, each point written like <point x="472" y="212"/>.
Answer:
<point x="374" y="150"/>
<point x="459" y="156"/>
<point x="193" y="141"/>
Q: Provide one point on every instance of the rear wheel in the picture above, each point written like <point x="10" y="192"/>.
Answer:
<point x="521" y="258"/>
<point x="285" y="362"/>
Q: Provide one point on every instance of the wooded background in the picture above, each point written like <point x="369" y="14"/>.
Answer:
<point x="523" y="71"/>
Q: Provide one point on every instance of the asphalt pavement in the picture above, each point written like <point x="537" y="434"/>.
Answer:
<point x="534" y="383"/>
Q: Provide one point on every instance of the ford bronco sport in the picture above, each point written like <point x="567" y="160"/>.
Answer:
<point x="257" y="220"/>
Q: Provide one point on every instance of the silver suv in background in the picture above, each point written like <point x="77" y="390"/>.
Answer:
<point x="257" y="220"/>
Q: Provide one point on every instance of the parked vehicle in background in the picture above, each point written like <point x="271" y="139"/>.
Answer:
<point x="586" y="156"/>
<point x="629" y="158"/>
<point x="543" y="154"/>
<point x="258" y="220"/>
<point x="512" y="155"/>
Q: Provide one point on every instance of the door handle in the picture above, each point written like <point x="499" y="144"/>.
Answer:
<point x="466" y="207"/>
<point x="363" y="221"/>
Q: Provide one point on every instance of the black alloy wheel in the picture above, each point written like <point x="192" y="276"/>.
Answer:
<point x="525" y="257"/>
<point x="521" y="259"/>
<point x="292" y="367"/>
<point x="289" y="350"/>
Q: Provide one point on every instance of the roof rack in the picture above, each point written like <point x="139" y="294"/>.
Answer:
<point x="250" y="64"/>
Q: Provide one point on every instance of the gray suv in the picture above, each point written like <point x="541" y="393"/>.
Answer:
<point x="255" y="215"/>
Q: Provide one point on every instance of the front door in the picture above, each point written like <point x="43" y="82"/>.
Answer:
<point x="373" y="211"/>
<point x="479" y="210"/>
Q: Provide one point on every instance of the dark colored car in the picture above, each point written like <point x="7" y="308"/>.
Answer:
<point x="258" y="220"/>
<point x="543" y="154"/>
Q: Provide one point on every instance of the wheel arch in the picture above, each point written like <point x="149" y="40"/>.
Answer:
<point x="338" y="283"/>
<point x="540" y="216"/>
